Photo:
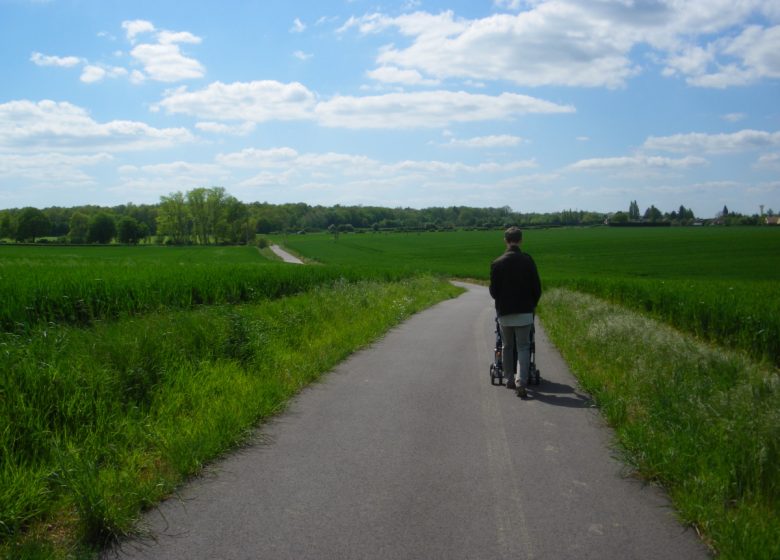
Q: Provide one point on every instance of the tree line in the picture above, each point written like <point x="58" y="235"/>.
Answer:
<point x="209" y="215"/>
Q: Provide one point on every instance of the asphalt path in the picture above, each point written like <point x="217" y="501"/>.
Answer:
<point x="285" y="256"/>
<point x="406" y="450"/>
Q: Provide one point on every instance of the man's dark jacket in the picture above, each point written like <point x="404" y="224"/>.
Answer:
<point x="514" y="282"/>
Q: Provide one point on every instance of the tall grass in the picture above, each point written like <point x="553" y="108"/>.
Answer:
<point x="722" y="284"/>
<point x="702" y="421"/>
<point x="80" y="291"/>
<point x="100" y="423"/>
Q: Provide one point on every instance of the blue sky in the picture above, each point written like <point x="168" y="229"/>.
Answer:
<point x="538" y="105"/>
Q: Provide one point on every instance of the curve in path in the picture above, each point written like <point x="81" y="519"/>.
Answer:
<point x="406" y="450"/>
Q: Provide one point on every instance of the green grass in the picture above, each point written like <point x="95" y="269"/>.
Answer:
<point x="100" y="423"/>
<point x="722" y="284"/>
<point x="42" y="285"/>
<point x="702" y="421"/>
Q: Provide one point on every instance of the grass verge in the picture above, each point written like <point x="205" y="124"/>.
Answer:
<point x="102" y="423"/>
<point x="703" y="422"/>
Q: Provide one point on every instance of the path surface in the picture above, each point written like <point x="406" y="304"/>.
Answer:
<point x="286" y="257"/>
<point x="406" y="451"/>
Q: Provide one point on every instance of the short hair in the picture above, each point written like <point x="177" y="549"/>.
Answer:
<point x="513" y="235"/>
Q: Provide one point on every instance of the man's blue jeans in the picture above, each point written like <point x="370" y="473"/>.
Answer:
<point x="520" y="338"/>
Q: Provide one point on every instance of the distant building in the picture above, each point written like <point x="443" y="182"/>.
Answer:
<point x="773" y="220"/>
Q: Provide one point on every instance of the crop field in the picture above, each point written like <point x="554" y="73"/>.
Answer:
<point x="78" y="285"/>
<point x="722" y="284"/>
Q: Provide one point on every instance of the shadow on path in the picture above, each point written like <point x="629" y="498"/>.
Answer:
<point x="559" y="394"/>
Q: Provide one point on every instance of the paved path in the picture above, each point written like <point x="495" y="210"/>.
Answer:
<point x="286" y="257"/>
<point x="406" y="451"/>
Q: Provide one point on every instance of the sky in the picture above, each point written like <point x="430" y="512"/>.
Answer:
<point x="539" y="105"/>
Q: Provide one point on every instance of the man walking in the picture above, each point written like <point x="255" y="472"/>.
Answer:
<point x="515" y="285"/>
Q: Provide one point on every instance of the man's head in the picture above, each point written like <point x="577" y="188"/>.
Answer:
<point x="513" y="236"/>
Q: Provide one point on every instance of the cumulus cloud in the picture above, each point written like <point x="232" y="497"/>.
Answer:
<point x="162" y="60"/>
<point x="741" y="141"/>
<point x="393" y="75"/>
<point x="61" y="61"/>
<point x="428" y="109"/>
<point x="257" y="101"/>
<point x="221" y="128"/>
<point x="583" y="43"/>
<point x="136" y="27"/>
<point x="49" y="125"/>
<point x="94" y="73"/>
<point x="51" y="167"/>
<point x="262" y="101"/>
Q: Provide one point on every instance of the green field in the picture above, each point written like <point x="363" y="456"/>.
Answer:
<point x="126" y="368"/>
<point x="722" y="284"/>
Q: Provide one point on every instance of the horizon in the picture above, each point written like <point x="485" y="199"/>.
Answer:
<point x="536" y="105"/>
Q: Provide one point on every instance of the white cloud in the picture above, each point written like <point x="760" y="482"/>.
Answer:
<point x="49" y="125"/>
<point x="493" y="141"/>
<point x="734" y="117"/>
<point x="136" y="27"/>
<point x="164" y="62"/>
<point x="584" y="43"/>
<point x="428" y="109"/>
<point x="769" y="161"/>
<point x="257" y="101"/>
<point x="270" y="100"/>
<point x="94" y="73"/>
<point x="741" y="141"/>
<point x="55" y="168"/>
<point x="298" y="26"/>
<point x="637" y="162"/>
<point x="220" y="128"/>
<point x="393" y="75"/>
<point x="300" y="55"/>
<point x="60" y="61"/>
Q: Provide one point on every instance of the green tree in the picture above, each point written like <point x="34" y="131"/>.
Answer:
<point x="129" y="230"/>
<point x="633" y="211"/>
<point x="619" y="218"/>
<point x="173" y="217"/>
<point x="30" y="224"/>
<point x="653" y="214"/>
<point x="7" y="228"/>
<point x="78" y="227"/>
<point x="102" y="228"/>
<point x="201" y="226"/>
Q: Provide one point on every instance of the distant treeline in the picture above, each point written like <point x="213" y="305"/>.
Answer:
<point x="211" y="215"/>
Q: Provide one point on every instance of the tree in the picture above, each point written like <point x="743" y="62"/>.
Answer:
<point x="102" y="228"/>
<point x="173" y="217"/>
<point x="30" y="224"/>
<point x="7" y="228"/>
<point x="725" y="211"/>
<point x="633" y="211"/>
<point x="653" y="214"/>
<point x="78" y="227"/>
<point x="129" y="230"/>
<point x="619" y="218"/>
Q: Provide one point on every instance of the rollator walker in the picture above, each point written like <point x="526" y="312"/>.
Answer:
<point x="497" y="367"/>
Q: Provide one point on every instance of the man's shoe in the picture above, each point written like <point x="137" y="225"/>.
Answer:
<point x="510" y="384"/>
<point x="521" y="391"/>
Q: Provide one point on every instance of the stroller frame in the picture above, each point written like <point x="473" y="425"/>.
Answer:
<point x="497" y="367"/>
